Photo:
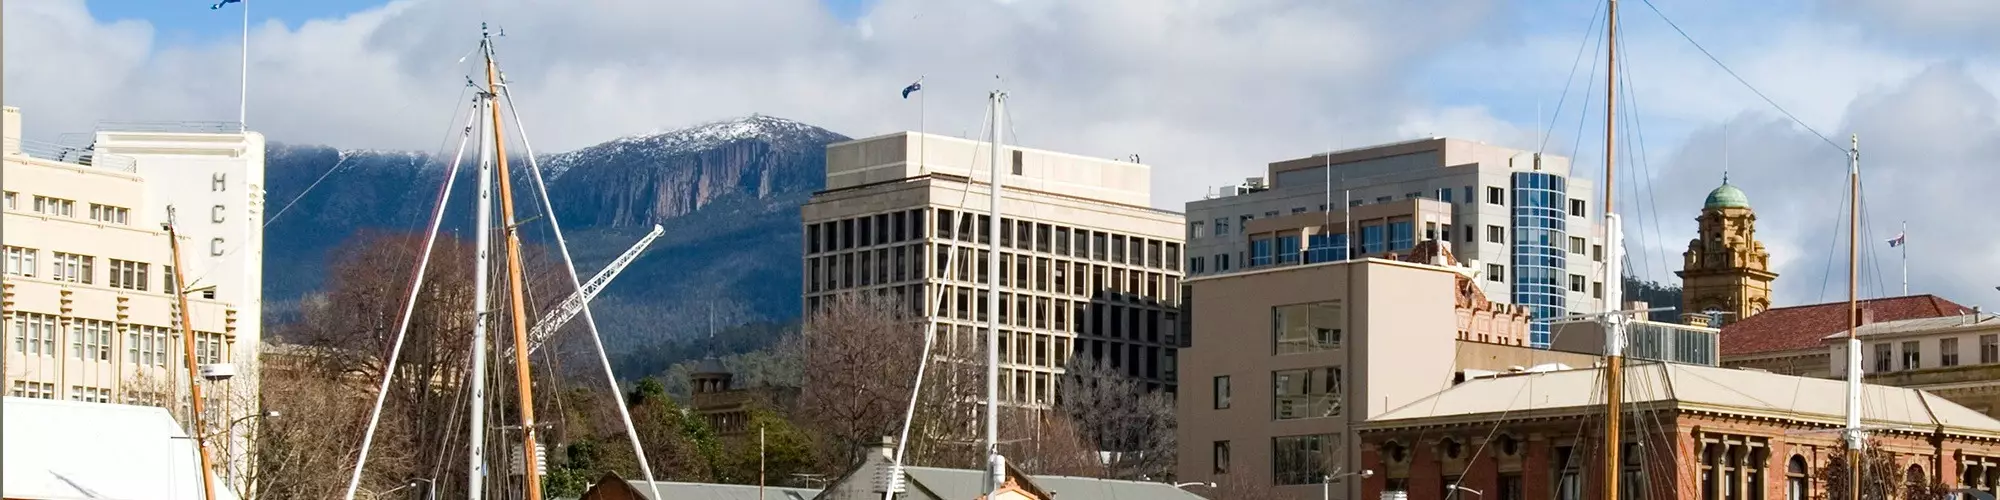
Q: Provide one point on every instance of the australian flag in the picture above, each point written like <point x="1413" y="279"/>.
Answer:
<point x="1896" y="241"/>
<point x="915" y="86"/>
<point x="219" y="5"/>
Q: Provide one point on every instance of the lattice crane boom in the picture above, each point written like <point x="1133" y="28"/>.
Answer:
<point x="569" y="308"/>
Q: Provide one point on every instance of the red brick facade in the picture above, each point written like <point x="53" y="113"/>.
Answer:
<point x="1669" y="462"/>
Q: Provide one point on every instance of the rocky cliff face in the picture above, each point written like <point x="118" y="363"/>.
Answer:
<point x="639" y="180"/>
<point x="727" y="192"/>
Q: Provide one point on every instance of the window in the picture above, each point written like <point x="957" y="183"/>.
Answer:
<point x="1496" y="273"/>
<point x="1326" y="247"/>
<point x="1307" y="459"/>
<point x="111" y="214"/>
<point x="1510" y="487"/>
<point x="1354" y="203"/>
<point x="146" y="345"/>
<point x="1575" y="207"/>
<point x="1597" y="289"/>
<point x="1597" y="253"/>
<point x="90" y="340"/>
<point x="1221" y="226"/>
<point x="1288" y="249"/>
<point x="55" y="206"/>
<point x="1732" y="468"/>
<point x="1222" y="392"/>
<point x="1017" y="162"/>
<point x="1989" y="349"/>
<point x="1303" y="328"/>
<point x="1195" y="229"/>
<point x="1576" y="282"/>
<point x="1384" y="199"/>
<point x="1948" y="352"/>
<point x="1402" y="235"/>
<point x="12" y="202"/>
<point x="131" y="275"/>
<point x="73" y="268"/>
<point x="21" y="261"/>
<point x="1243" y="222"/>
<point x="1495" y="234"/>
<point x="1298" y="210"/>
<point x="1912" y="356"/>
<point x="1270" y="214"/>
<point x="1577" y="245"/>
<point x="1444" y="195"/>
<point x="89" y="394"/>
<point x="1468" y="233"/>
<point x="1797" y="486"/>
<point x="1496" y="196"/>
<point x="37" y="390"/>
<point x="1221" y="457"/>
<point x="1372" y="240"/>
<point x="1883" y="354"/>
<point x="34" y="334"/>
<point x="1413" y="195"/>
<point x="209" y="348"/>
<point x="1260" y="252"/>
<point x="1305" y="393"/>
<point x="1222" y="262"/>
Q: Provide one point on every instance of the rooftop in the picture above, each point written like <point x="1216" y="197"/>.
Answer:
<point x="1940" y="324"/>
<point x="1689" y="387"/>
<point x="1726" y="196"/>
<point x="70" y="449"/>
<point x="1802" y="327"/>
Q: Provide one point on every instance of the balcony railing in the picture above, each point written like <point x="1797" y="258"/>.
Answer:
<point x="186" y="127"/>
<point x="83" y="155"/>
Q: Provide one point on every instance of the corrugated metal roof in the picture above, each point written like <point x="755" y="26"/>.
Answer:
<point x="68" y="449"/>
<point x="1924" y="325"/>
<point x="1689" y="387"/>
<point x="704" y="491"/>
<point x="965" y="483"/>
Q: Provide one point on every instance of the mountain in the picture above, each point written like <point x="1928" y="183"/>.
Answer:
<point x="727" y="194"/>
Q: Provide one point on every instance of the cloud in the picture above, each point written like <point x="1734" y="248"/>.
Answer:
<point x="1206" y="91"/>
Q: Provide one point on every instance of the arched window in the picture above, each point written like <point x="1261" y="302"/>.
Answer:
<point x="1913" y="478"/>
<point x="1796" y="486"/>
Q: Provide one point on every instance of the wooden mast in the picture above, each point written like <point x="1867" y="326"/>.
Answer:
<point x="1854" y="436"/>
<point x="187" y="348"/>
<point x="531" y="479"/>
<point x="1614" y="362"/>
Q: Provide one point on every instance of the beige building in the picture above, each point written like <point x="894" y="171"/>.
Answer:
<point x="1319" y="348"/>
<point x="1088" y="270"/>
<point x="88" y="305"/>
<point x="1954" y="357"/>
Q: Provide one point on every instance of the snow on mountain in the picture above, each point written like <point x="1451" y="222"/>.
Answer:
<point x="779" y="132"/>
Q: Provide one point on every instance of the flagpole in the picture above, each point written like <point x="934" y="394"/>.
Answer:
<point x="1904" y="235"/>
<point x="922" y="166"/>
<point x="243" y="88"/>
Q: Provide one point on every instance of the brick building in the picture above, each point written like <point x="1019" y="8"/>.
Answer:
<point x="1694" y="432"/>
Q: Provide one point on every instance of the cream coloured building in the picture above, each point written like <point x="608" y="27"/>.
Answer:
<point x="88" y="306"/>
<point x="1088" y="268"/>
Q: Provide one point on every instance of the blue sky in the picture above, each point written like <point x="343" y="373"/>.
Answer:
<point x="1207" y="91"/>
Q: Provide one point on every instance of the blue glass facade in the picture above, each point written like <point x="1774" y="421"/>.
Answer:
<point x="1540" y="259"/>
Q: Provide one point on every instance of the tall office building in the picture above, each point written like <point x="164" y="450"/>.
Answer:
<point x="88" y="302"/>
<point x="1514" y="216"/>
<point x="1088" y="269"/>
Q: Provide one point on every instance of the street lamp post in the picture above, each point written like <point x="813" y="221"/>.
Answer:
<point x="1326" y="482"/>
<point x="1184" y="485"/>
<point x="1474" y="492"/>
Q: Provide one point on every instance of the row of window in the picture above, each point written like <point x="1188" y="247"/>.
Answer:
<point x="76" y="268"/>
<point x="1042" y="274"/>
<point x="1948" y="353"/>
<point x="1494" y="196"/>
<point x="1284" y="250"/>
<point x="1115" y="334"/>
<point x="1303" y="459"/>
<point x="67" y="208"/>
<point x="1040" y="237"/>
<point x="36" y="334"/>
<point x="1295" y="394"/>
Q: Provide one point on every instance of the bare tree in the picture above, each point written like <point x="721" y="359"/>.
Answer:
<point x="1118" y="414"/>
<point x="861" y="355"/>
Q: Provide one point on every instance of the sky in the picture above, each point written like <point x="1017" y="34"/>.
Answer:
<point x="1206" y="91"/>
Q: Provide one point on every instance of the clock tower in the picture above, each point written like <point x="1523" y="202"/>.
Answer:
<point x="1725" y="269"/>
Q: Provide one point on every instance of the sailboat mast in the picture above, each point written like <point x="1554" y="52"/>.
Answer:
<point x="996" y="469"/>
<point x="188" y="350"/>
<point x="1614" y="342"/>
<point x="481" y="304"/>
<point x="1854" y="436"/>
<point x="531" y="478"/>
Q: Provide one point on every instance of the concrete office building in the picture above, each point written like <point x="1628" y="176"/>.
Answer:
<point x="1089" y="269"/>
<point x="1285" y="362"/>
<point x="1531" y="231"/>
<point x="88" y="302"/>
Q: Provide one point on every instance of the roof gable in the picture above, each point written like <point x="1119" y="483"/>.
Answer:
<point x="1802" y="327"/>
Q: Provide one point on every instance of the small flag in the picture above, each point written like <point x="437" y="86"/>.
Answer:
<point x="219" y="5"/>
<point x="1896" y="241"/>
<point x="916" y="86"/>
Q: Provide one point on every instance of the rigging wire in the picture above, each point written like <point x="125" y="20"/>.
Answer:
<point x="1590" y="31"/>
<point x="1645" y="165"/>
<point x="1739" y="79"/>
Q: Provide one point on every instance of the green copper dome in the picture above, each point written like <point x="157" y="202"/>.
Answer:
<point x="1727" y="196"/>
